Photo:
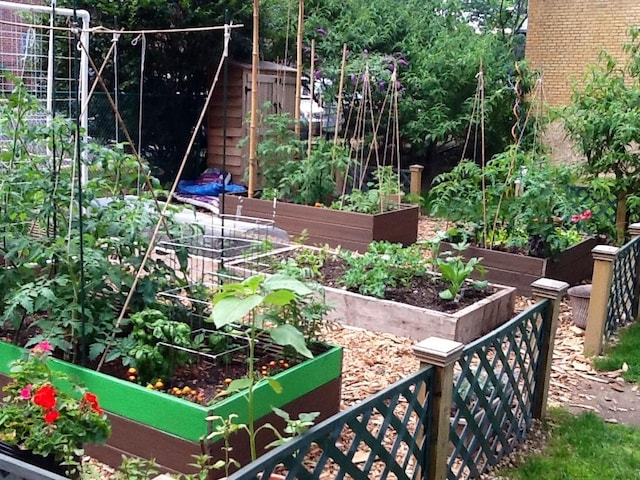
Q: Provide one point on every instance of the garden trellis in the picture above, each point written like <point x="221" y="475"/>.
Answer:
<point x="54" y="218"/>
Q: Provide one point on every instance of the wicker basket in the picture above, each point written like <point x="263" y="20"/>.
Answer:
<point x="579" y="299"/>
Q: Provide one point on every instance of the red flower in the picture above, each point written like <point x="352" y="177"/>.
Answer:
<point x="45" y="397"/>
<point x="92" y="399"/>
<point x="586" y="215"/>
<point x="52" y="416"/>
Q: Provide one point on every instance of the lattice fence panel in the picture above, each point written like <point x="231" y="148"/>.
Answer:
<point x="496" y="381"/>
<point x="383" y="438"/>
<point x="622" y="306"/>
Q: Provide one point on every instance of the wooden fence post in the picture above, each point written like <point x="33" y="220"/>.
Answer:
<point x="634" y="232"/>
<point x="603" y="257"/>
<point x="554" y="290"/>
<point x="442" y="354"/>
<point x="416" y="179"/>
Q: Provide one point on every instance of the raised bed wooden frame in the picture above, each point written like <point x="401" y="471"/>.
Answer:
<point x="416" y="323"/>
<point x="349" y="230"/>
<point x="573" y="266"/>
<point x="150" y="424"/>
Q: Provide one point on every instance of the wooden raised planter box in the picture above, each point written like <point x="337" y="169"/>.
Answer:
<point x="156" y="425"/>
<point x="349" y="230"/>
<point x="416" y="323"/>
<point x="573" y="266"/>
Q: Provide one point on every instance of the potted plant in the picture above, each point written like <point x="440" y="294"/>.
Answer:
<point x="522" y="215"/>
<point x="47" y="415"/>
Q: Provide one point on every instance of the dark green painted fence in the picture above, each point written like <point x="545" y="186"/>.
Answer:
<point x="388" y="426"/>
<point x="622" y="305"/>
<point x="498" y="379"/>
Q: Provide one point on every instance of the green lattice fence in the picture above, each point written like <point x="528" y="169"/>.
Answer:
<point x="387" y="433"/>
<point x="497" y="379"/>
<point x="622" y="305"/>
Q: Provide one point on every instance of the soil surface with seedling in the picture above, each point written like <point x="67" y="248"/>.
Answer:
<point x="420" y="291"/>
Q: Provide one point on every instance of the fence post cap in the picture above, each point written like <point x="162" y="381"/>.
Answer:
<point x="417" y="168"/>
<point x="548" y="288"/>
<point x="634" y="229"/>
<point x="604" y="252"/>
<point x="438" y="351"/>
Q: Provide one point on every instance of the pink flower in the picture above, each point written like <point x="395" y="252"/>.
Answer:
<point x="586" y="215"/>
<point x="42" y="347"/>
<point x="25" y="393"/>
<point x="575" y="218"/>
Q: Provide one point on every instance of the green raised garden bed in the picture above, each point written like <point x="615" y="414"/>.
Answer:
<point x="153" y="424"/>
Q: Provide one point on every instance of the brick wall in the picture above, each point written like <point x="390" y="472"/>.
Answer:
<point x="564" y="37"/>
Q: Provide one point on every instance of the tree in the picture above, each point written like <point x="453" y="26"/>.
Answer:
<point x="438" y="54"/>
<point x="603" y="119"/>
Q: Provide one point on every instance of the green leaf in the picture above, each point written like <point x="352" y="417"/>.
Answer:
<point x="290" y="335"/>
<point x="284" y="282"/>
<point x="238" y="385"/>
<point x="233" y="309"/>
<point x="279" y="297"/>
<point x="96" y="349"/>
<point x="446" y="295"/>
<point x="275" y="385"/>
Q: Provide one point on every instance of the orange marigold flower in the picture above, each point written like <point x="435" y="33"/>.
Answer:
<point x="52" y="416"/>
<point x="45" y="397"/>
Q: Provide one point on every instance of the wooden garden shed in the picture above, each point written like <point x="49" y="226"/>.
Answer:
<point x="276" y="84"/>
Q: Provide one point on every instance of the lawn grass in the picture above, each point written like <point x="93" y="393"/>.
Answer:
<point x="583" y="447"/>
<point x="626" y="350"/>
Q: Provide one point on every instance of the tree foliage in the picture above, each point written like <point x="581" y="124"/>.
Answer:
<point x="437" y="51"/>
<point x="603" y="119"/>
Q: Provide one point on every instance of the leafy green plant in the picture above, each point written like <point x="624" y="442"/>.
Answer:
<point x="517" y="195"/>
<point x="293" y="426"/>
<point x="383" y="265"/>
<point x="455" y="271"/>
<point x="152" y="354"/>
<point x="288" y="173"/>
<point x="378" y="197"/>
<point x="47" y="289"/>
<point x="245" y="302"/>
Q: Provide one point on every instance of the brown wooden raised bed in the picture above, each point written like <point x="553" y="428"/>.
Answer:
<point x="349" y="230"/>
<point x="573" y="266"/>
<point x="416" y="323"/>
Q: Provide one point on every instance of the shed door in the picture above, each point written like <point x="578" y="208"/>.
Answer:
<point x="279" y="90"/>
